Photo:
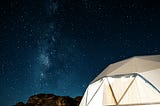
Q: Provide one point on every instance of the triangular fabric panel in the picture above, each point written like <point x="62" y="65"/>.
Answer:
<point x="127" y="68"/>
<point x="109" y="69"/>
<point x="120" y="85"/>
<point x="108" y="98"/>
<point x="153" y="76"/>
<point x="146" y="65"/>
<point x="117" y="65"/>
<point x="97" y="99"/>
<point x="140" y="92"/>
<point x="92" y="89"/>
<point x="151" y="58"/>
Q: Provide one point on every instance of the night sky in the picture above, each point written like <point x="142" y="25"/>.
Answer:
<point x="59" y="46"/>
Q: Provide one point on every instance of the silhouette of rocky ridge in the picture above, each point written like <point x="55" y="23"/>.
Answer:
<point x="51" y="100"/>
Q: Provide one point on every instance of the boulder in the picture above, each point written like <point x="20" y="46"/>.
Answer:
<point x="51" y="100"/>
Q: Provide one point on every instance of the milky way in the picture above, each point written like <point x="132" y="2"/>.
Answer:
<point x="59" y="46"/>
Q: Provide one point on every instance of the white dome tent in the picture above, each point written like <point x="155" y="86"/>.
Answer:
<point x="131" y="82"/>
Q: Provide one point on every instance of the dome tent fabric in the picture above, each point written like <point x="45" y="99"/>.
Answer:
<point x="131" y="82"/>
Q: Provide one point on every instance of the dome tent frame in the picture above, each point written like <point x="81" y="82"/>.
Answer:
<point x="104" y="91"/>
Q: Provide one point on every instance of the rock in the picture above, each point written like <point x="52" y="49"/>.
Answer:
<point x="51" y="100"/>
<point x="20" y="104"/>
<point x="78" y="100"/>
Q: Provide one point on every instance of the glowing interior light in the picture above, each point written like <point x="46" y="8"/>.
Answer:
<point x="111" y="80"/>
<point x="123" y="78"/>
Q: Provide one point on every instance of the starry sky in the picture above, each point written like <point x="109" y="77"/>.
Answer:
<point x="60" y="46"/>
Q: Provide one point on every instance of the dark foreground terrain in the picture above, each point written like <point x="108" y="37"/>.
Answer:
<point x="51" y="100"/>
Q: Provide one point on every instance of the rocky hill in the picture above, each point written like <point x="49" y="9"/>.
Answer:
<point x="51" y="100"/>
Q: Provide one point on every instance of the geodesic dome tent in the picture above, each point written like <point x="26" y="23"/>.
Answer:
<point x="131" y="82"/>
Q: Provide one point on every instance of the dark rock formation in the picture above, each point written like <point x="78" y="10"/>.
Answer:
<point x="20" y="104"/>
<point x="51" y="100"/>
<point x="78" y="100"/>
